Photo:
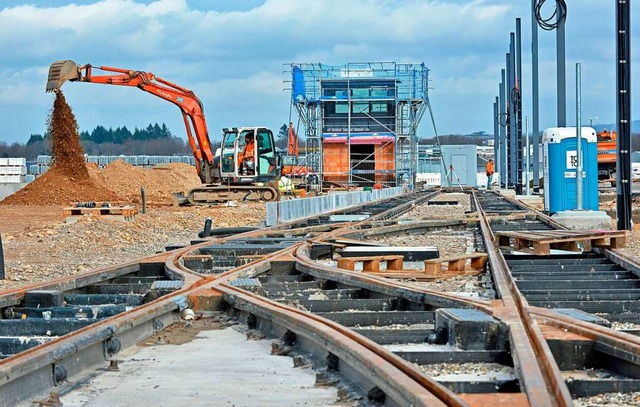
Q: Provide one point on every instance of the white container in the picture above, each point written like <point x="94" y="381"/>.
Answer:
<point x="13" y="170"/>
<point x="18" y="161"/>
<point x="4" y="162"/>
<point x="11" y="179"/>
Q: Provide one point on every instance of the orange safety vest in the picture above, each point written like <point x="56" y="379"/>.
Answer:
<point x="490" y="168"/>
<point x="248" y="150"/>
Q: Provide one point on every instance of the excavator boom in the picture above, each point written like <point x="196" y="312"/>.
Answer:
<point x="193" y="115"/>
<point x="189" y="104"/>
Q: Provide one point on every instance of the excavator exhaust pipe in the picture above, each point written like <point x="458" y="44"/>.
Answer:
<point x="60" y="72"/>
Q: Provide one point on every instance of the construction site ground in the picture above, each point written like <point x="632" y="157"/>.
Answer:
<point x="39" y="245"/>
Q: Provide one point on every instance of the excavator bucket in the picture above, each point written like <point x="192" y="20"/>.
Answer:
<point x="60" y="72"/>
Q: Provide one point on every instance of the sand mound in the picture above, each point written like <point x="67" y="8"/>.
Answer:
<point x="118" y="182"/>
<point x="57" y="188"/>
<point x="71" y="180"/>
<point x="159" y="182"/>
<point x="68" y="179"/>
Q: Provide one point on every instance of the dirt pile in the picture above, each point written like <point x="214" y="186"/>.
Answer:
<point x="71" y="180"/>
<point x="159" y="182"/>
<point x="68" y="179"/>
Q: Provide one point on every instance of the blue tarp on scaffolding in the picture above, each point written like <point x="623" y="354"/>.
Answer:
<point x="298" y="93"/>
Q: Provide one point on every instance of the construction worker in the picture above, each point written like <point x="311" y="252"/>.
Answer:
<point x="285" y="185"/>
<point x="490" y="171"/>
<point x="247" y="157"/>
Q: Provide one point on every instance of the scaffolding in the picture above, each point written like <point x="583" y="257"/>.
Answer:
<point x="361" y="119"/>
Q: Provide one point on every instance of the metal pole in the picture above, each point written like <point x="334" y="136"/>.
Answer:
<point x="496" y="136"/>
<point x="513" y="119"/>
<point x="2" y="275"/>
<point x="507" y="97"/>
<point x="535" y="99"/>
<point x="528" y="163"/>
<point x="504" y="176"/>
<point x="144" y="200"/>
<point x="518" y="106"/>
<point x="561" y="72"/>
<point x="579" y="136"/>
<point x="623" y="107"/>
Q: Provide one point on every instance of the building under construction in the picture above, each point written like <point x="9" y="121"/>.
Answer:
<point x="361" y="119"/>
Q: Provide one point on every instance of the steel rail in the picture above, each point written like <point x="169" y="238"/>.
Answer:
<point x="409" y="385"/>
<point x="306" y="265"/>
<point x="539" y="373"/>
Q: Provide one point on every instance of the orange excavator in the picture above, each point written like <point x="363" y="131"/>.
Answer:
<point x="230" y="172"/>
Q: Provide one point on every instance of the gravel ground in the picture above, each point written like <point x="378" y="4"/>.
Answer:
<point x="609" y="400"/>
<point x="624" y="325"/>
<point x="471" y="286"/>
<point x="450" y="242"/>
<point x="632" y="246"/>
<point x="467" y="371"/>
<point x="435" y="212"/>
<point x="463" y="199"/>
<point x="45" y="251"/>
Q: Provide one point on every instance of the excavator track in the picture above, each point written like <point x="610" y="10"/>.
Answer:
<point x="223" y="193"/>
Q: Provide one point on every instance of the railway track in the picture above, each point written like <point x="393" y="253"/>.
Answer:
<point x="528" y="337"/>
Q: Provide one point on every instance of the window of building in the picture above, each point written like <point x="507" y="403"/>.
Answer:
<point x="342" y="108"/>
<point x="360" y="107"/>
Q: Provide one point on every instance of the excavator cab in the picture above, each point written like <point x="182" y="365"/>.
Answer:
<point x="248" y="155"/>
<point x="60" y="72"/>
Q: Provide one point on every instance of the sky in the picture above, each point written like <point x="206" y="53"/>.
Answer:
<point x="235" y="56"/>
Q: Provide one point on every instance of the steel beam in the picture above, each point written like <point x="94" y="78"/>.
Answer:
<point x="504" y="176"/>
<point x="518" y="106"/>
<point x="561" y="72"/>
<point x="535" y="99"/>
<point x="623" y="107"/>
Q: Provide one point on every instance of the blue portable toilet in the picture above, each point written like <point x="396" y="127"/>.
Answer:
<point x="560" y="161"/>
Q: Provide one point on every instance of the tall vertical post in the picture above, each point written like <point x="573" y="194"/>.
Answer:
<point x="513" y="117"/>
<point x="518" y="106"/>
<point x="496" y="136"/>
<point x="623" y="108"/>
<point x="503" y="135"/>
<point x="579" y="137"/>
<point x="507" y="98"/>
<point x="2" y="275"/>
<point x="535" y="101"/>
<point x="561" y="72"/>
<point x="527" y="161"/>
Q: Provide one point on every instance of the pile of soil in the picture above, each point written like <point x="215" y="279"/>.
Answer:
<point x="159" y="182"/>
<point x="71" y="180"/>
<point x="68" y="179"/>
<point x="117" y="183"/>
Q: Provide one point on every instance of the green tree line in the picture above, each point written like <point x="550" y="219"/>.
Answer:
<point x="155" y="139"/>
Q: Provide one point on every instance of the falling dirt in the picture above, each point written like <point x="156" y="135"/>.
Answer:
<point x="66" y="150"/>
<point x="68" y="179"/>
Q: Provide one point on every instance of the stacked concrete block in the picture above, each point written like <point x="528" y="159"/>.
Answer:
<point x="12" y="170"/>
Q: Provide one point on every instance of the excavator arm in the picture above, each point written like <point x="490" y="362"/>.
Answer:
<point x="188" y="103"/>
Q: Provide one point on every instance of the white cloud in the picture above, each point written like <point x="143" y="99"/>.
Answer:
<point x="234" y="59"/>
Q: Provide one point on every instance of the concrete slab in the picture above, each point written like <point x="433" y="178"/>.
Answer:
<point x="534" y="201"/>
<point x="217" y="368"/>
<point x="509" y="193"/>
<point x="7" y="188"/>
<point x="584" y="220"/>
